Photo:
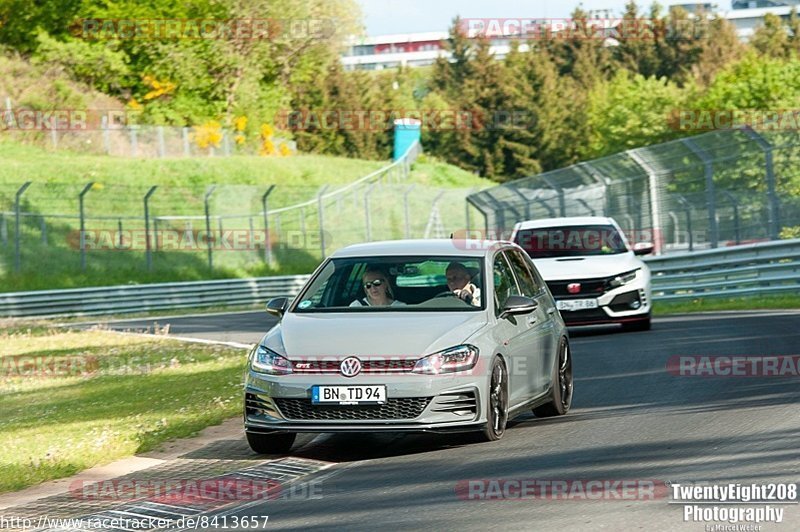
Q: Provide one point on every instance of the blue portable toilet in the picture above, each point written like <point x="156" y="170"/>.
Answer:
<point x="407" y="131"/>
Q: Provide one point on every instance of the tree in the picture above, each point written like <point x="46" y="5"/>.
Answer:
<point x="771" y="39"/>
<point x="720" y="47"/>
<point x="630" y="111"/>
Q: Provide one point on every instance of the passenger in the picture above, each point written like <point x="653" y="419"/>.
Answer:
<point x="378" y="290"/>
<point x="459" y="281"/>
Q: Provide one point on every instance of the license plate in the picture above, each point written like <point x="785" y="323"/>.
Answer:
<point x="348" y="395"/>
<point x="576" y="304"/>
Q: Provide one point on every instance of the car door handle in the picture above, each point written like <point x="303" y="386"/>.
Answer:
<point x="532" y="319"/>
<point x="551" y="310"/>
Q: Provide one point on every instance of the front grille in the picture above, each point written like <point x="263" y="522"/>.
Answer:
<point x="587" y="315"/>
<point x="400" y="408"/>
<point x="378" y="365"/>
<point x="589" y="288"/>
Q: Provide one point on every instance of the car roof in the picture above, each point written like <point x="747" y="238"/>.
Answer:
<point x="428" y="247"/>
<point x="566" y="221"/>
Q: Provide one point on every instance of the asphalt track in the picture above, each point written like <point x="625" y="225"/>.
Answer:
<point x="631" y="420"/>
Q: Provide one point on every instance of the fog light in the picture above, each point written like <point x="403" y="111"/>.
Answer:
<point x="635" y="304"/>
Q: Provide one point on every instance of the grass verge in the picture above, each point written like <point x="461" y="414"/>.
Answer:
<point x="72" y="400"/>
<point x="662" y="308"/>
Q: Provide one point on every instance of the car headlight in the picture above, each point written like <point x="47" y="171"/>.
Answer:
<point x="459" y="358"/>
<point x="624" y="278"/>
<point x="264" y="360"/>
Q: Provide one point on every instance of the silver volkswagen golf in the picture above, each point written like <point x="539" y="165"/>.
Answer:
<point x="414" y="335"/>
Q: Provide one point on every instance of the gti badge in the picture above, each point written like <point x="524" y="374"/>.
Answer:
<point x="350" y="367"/>
<point x="574" y="288"/>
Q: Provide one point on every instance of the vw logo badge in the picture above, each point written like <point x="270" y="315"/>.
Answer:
<point x="574" y="288"/>
<point x="350" y="367"/>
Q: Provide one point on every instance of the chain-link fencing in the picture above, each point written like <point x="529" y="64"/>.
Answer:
<point x="718" y="189"/>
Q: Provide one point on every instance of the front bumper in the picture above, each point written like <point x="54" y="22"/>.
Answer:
<point x="628" y="303"/>
<point x="415" y="403"/>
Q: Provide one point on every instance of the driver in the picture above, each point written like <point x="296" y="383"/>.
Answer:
<point x="459" y="281"/>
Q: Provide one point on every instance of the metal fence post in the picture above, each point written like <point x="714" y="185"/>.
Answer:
<point x="708" y="168"/>
<point x="134" y="141"/>
<point x="86" y="189"/>
<point x="148" y="247"/>
<point x="160" y="137"/>
<point x="772" y="196"/>
<point x="302" y="220"/>
<point x="594" y="174"/>
<point x="562" y="207"/>
<point x="106" y="135"/>
<point x="467" y="220"/>
<point x="54" y="137"/>
<point x="43" y="226"/>
<point x="267" y="239"/>
<point x="735" y="204"/>
<point x="366" y="212"/>
<point x="472" y="202"/>
<point x="250" y="240"/>
<point x="17" y="232"/>
<point x="655" y="199"/>
<point x="208" y="226"/>
<point x="405" y="209"/>
<point x="688" y="210"/>
<point x="594" y="213"/>
<point x="119" y="233"/>
<point x="525" y="202"/>
<point x="548" y="208"/>
<point x="320" y="214"/>
<point x="3" y="229"/>
<point x="185" y="136"/>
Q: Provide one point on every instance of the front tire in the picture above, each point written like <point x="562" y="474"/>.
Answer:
<point x="273" y="443"/>
<point x="561" y="386"/>
<point x="497" y="402"/>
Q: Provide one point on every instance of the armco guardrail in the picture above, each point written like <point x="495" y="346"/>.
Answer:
<point x="754" y="269"/>
<point x="144" y="298"/>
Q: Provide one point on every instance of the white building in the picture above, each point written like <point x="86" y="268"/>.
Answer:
<point x="421" y="49"/>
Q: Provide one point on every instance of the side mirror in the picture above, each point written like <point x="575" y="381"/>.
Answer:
<point x="518" y="305"/>
<point x="277" y="306"/>
<point x="643" y="248"/>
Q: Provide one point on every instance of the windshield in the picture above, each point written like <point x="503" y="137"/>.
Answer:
<point x="573" y="241"/>
<point x="393" y="284"/>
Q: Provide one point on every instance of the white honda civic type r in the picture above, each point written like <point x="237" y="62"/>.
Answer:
<point x="593" y="273"/>
<point x="415" y="335"/>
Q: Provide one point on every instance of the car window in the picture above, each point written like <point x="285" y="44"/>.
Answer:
<point x="524" y="276"/>
<point x="504" y="284"/>
<point x="571" y="241"/>
<point x="397" y="284"/>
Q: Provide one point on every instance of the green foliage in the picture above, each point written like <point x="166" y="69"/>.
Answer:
<point x="98" y="66"/>
<point x="755" y="83"/>
<point x="630" y="110"/>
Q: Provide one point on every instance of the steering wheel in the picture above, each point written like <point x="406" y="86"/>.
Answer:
<point x="446" y="293"/>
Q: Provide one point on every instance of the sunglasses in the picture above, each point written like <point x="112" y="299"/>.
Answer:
<point x="370" y="284"/>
